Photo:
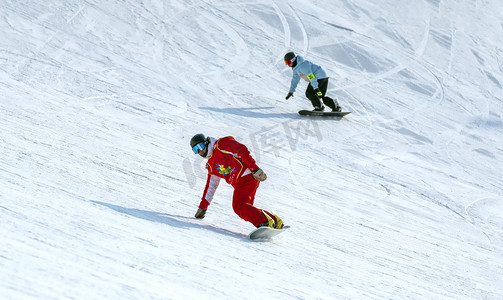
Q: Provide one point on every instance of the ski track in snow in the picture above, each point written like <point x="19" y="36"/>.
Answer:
<point x="98" y="187"/>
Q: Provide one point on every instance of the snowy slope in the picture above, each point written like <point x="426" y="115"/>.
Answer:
<point x="98" y="185"/>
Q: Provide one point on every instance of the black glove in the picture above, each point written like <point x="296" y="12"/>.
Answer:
<point x="200" y="213"/>
<point x="318" y="93"/>
<point x="288" y="95"/>
<point x="259" y="174"/>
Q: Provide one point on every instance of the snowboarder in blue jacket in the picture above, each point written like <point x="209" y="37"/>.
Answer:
<point x="317" y="78"/>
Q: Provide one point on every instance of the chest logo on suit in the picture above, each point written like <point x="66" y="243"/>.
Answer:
<point x="223" y="170"/>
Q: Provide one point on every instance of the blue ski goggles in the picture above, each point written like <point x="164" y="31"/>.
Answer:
<point x="199" y="147"/>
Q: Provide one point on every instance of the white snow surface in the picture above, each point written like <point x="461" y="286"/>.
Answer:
<point x="401" y="199"/>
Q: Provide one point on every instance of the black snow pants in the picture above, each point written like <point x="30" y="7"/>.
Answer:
<point x="322" y="86"/>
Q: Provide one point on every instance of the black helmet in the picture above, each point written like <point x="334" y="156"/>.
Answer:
<point x="199" y="142"/>
<point x="289" y="56"/>
<point x="290" y="59"/>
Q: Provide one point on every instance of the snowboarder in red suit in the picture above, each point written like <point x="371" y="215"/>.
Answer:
<point x="231" y="161"/>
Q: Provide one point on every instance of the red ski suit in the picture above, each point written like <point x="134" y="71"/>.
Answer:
<point x="232" y="161"/>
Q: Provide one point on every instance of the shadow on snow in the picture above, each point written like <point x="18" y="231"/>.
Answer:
<point x="251" y="112"/>
<point x="168" y="219"/>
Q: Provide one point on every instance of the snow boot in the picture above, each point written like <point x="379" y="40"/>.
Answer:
<point x="273" y="222"/>
<point x="337" y="108"/>
<point x="279" y="222"/>
<point x="269" y="223"/>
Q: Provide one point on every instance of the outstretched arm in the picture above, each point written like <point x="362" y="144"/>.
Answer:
<point x="209" y="191"/>
<point x="294" y="82"/>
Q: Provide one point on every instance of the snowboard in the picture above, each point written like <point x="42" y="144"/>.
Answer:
<point x="265" y="233"/>
<point x="323" y="113"/>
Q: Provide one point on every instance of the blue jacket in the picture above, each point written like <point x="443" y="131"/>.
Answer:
<point x="308" y="71"/>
